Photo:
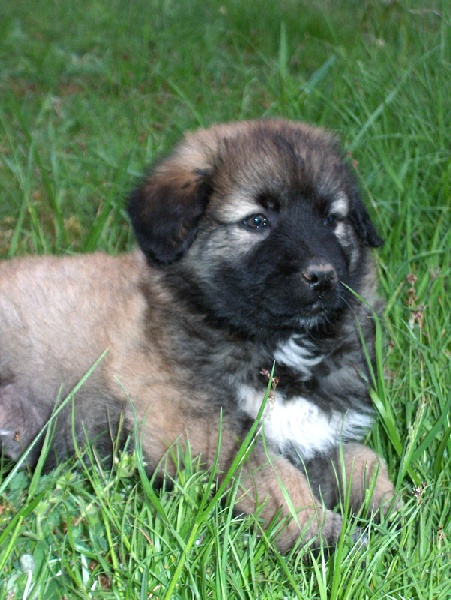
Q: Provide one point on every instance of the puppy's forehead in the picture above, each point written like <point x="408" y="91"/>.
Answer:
<point x="270" y="163"/>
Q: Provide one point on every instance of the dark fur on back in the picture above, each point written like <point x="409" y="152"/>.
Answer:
<point x="254" y="244"/>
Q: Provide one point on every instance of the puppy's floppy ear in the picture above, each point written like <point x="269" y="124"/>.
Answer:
<point x="363" y="225"/>
<point x="166" y="209"/>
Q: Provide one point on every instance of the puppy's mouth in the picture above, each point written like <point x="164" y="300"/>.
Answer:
<point x="318" y="314"/>
<point x="324" y="303"/>
<point x="322" y="307"/>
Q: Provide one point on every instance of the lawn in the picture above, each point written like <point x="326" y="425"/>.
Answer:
<point x="90" y="93"/>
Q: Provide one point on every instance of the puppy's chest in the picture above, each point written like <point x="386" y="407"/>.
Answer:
<point x="296" y="415"/>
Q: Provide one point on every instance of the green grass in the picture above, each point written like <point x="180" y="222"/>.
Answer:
<point x="90" y="93"/>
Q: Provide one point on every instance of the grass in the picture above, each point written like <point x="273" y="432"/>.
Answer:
<point x="90" y="93"/>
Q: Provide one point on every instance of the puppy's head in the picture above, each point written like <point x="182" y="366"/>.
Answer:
<point x="260" y="223"/>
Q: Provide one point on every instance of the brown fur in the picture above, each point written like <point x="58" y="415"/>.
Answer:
<point x="172" y="365"/>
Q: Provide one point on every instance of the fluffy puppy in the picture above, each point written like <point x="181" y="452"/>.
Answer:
<point x="252" y="236"/>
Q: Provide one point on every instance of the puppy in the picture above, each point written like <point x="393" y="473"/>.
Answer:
<point x="253" y="245"/>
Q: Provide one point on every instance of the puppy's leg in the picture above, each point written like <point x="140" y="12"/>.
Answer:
<point x="277" y="485"/>
<point x="362" y="466"/>
<point x="267" y="481"/>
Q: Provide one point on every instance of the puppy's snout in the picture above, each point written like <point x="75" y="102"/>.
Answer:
<point x="320" y="276"/>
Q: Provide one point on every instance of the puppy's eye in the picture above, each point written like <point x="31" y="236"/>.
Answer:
<point x="332" y="219"/>
<point x="257" y="221"/>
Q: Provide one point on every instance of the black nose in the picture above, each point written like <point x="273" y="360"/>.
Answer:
<point x="320" y="276"/>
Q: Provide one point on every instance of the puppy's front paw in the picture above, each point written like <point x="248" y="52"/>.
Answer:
<point x="322" y="528"/>
<point x="367" y="475"/>
<point x="385" y="500"/>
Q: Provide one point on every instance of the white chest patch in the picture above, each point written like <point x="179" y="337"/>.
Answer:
<point x="300" y="422"/>
<point x="298" y="353"/>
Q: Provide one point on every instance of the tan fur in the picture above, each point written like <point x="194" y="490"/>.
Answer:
<point x="57" y="316"/>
